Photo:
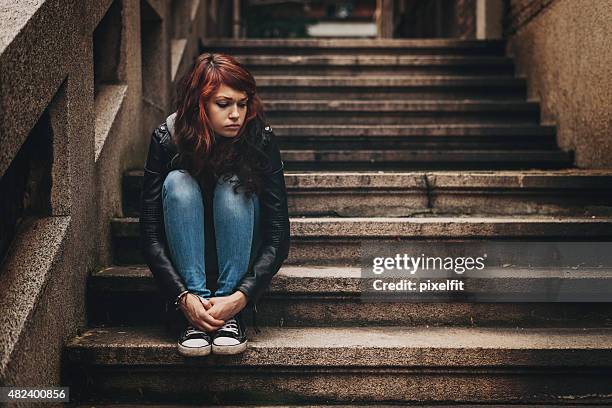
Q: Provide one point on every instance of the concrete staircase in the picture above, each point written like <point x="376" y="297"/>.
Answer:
<point x="464" y="157"/>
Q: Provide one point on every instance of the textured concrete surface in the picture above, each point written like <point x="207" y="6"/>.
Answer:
<point x="335" y="240"/>
<point x="318" y="159"/>
<point x="401" y="106"/>
<point x="362" y="45"/>
<point x="46" y="61"/>
<point x="14" y="20"/>
<point x="395" y="87"/>
<point x="352" y="386"/>
<point x="378" y="227"/>
<point x="334" y="112"/>
<point x="424" y="227"/>
<point x="62" y="171"/>
<point x="42" y="243"/>
<point x="430" y="130"/>
<point x="107" y="104"/>
<point x="511" y="192"/>
<point x="155" y="49"/>
<point x="34" y="53"/>
<point x="48" y="65"/>
<point x="394" y="81"/>
<point x="564" y="54"/>
<point x="367" y="193"/>
<point x="521" y="179"/>
<point x="333" y="296"/>
<point x="177" y="49"/>
<point x="417" y="93"/>
<point x="352" y="365"/>
<point x="300" y="61"/>
<point x="426" y="136"/>
<point x="356" y="65"/>
<point x="120" y="125"/>
<point x="390" y="137"/>
<point x="376" y="347"/>
<point x="348" y="280"/>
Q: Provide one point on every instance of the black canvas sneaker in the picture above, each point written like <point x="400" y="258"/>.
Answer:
<point x="230" y="338"/>
<point x="194" y="342"/>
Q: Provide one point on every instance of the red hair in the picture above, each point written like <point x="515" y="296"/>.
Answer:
<point x="193" y="132"/>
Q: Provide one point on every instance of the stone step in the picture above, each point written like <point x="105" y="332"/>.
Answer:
<point x="353" y="47"/>
<point x="425" y="137"/>
<point x="323" y="160"/>
<point x="350" y="194"/>
<point x="337" y="240"/>
<point x="347" y="365"/>
<point x="297" y="87"/>
<point x="187" y="405"/>
<point x="338" y="296"/>
<point x="390" y="112"/>
<point x="408" y="194"/>
<point x="355" y="65"/>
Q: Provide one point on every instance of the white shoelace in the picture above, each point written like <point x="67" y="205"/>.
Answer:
<point x="191" y="330"/>
<point x="230" y="326"/>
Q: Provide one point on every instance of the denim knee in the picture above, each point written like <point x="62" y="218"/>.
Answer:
<point x="180" y="186"/>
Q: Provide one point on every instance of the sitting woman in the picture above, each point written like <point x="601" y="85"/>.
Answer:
<point x="215" y="151"/>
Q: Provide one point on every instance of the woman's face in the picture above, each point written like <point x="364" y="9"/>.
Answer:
<point x="227" y="107"/>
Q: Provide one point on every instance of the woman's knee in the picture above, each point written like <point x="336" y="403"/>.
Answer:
<point x="181" y="186"/>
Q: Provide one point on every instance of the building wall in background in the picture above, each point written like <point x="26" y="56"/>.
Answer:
<point x="563" y="49"/>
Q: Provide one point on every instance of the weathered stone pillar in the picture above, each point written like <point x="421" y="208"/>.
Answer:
<point x="489" y="14"/>
<point x="384" y="18"/>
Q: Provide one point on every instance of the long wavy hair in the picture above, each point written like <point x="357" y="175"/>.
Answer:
<point x="241" y="155"/>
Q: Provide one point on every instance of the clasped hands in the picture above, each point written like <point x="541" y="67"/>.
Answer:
<point x="211" y="314"/>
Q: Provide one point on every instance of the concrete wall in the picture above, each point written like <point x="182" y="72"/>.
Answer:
<point x="84" y="66"/>
<point x="563" y="48"/>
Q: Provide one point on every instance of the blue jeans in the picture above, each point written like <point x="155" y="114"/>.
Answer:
<point x="236" y="224"/>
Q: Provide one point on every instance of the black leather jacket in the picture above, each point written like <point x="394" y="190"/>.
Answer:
<point x="274" y="222"/>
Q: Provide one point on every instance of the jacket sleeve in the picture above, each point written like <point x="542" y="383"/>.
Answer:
<point x="152" y="235"/>
<point x="274" y="227"/>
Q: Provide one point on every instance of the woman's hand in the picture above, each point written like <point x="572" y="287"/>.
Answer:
<point x="194" y="309"/>
<point x="226" y="307"/>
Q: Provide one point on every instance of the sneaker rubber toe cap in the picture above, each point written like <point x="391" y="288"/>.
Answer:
<point x="225" y="341"/>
